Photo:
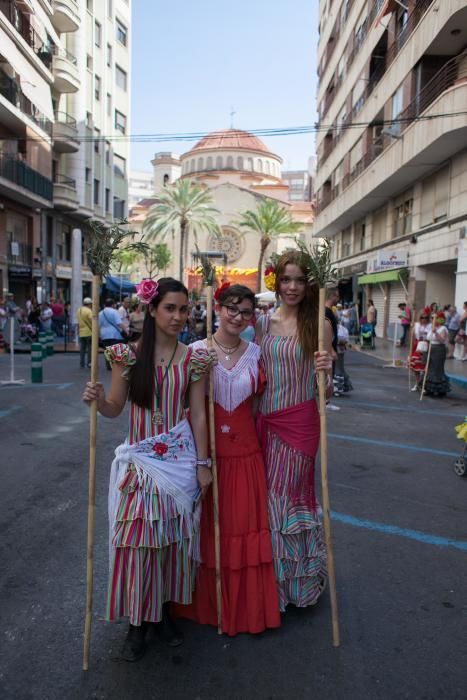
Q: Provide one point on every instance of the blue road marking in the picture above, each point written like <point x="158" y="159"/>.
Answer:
<point x="59" y="387"/>
<point x="8" y="411"/>
<point x="406" y="407"/>
<point x="394" y="445"/>
<point x="400" y="532"/>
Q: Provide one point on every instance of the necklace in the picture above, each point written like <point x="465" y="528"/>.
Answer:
<point x="228" y="351"/>
<point x="158" y="416"/>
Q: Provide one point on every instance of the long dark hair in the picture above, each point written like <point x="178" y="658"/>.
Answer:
<point x="307" y="319"/>
<point x="141" y="379"/>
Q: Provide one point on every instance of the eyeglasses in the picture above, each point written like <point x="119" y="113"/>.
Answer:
<point x="288" y="280"/>
<point x="424" y="318"/>
<point x="233" y="311"/>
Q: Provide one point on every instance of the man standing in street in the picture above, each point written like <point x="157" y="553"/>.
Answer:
<point x="110" y="326"/>
<point x="453" y="325"/>
<point x="84" y="318"/>
<point x="371" y="316"/>
<point x="124" y="313"/>
<point x="406" y="319"/>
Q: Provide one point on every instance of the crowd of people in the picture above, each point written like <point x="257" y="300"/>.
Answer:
<point x="267" y="435"/>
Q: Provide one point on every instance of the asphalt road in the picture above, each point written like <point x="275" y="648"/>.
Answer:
<point x="400" y="539"/>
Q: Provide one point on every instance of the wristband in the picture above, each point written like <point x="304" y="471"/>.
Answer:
<point x="204" y="463"/>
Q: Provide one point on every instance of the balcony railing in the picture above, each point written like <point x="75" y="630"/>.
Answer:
<point x="24" y="256"/>
<point x="65" y="118"/>
<point x="20" y="21"/>
<point x="65" y="180"/>
<point x="452" y="72"/>
<point x="11" y="90"/>
<point x="14" y="169"/>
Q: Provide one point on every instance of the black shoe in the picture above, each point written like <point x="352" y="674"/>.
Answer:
<point x="134" y="646"/>
<point x="169" y="630"/>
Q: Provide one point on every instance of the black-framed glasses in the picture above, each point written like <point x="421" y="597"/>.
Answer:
<point x="233" y="311"/>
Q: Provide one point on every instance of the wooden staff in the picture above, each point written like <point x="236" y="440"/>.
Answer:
<point x="215" y="484"/>
<point x="412" y="332"/>
<point x="324" y="474"/>
<point x="426" y="370"/>
<point x="96" y="283"/>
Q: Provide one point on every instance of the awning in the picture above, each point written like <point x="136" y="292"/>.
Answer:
<point x="378" y="277"/>
<point x="119" y="285"/>
<point x="44" y="26"/>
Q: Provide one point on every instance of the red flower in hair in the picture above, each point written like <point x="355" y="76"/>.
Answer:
<point x="220" y="289"/>
<point x="270" y="269"/>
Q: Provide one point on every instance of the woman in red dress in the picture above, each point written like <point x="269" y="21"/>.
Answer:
<point x="250" y="601"/>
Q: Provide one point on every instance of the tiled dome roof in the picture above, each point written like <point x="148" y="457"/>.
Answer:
<point x="231" y="138"/>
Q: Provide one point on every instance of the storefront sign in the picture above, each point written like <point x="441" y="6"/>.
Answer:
<point x="37" y="273"/>
<point x="19" y="271"/>
<point x="390" y="260"/>
<point x="63" y="271"/>
<point x="355" y="269"/>
<point x="86" y="275"/>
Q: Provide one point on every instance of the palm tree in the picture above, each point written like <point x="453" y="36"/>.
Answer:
<point x="183" y="208"/>
<point x="269" y="220"/>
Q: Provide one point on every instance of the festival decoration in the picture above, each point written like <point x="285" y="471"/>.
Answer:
<point x="146" y="290"/>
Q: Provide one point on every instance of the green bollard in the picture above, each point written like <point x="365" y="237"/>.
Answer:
<point x="50" y="342"/>
<point x="36" y="363"/>
<point x="43" y="342"/>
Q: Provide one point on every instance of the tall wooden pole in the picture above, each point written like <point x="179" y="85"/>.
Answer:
<point x="96" y="282"/>
<point x="324" y="475"/>
<point x="425" y="375"/>
<point x="215" y="483"/>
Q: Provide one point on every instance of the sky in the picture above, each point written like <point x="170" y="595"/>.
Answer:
<point x="193" y="60"/>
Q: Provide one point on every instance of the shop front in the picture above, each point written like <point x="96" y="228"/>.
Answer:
<point x="386" y="289"/>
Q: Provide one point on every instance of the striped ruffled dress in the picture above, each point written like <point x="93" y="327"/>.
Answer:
<point x="297" y="537"/>
<point x="150" y="560"/>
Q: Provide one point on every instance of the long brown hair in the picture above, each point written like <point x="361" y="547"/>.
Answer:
<point x="141" y="379"/>
<point x="307" y="319"/>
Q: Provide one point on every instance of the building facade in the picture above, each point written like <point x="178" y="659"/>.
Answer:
<point x="391" y="178"/>
<point x="64" y="118"/>
<point x="140" y="185"/>
<point x="299" y="183"/>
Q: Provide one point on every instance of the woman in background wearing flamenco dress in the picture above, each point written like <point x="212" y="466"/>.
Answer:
<point x="250" y="600"/>
<point x="289" y="429"/>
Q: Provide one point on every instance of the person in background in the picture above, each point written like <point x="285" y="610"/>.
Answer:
<point x="462" y="334"/>
<point x="46" y="317"/>
<point x="453" y="324"/>
<point x="136" y="322"/>
<point x="124" y="313"/>
<point x="437" y="383"/>
<point x="84" y="318"/>
<point x="58" y="315"/>
<point x="371" y="315"/>
<point x="110" y="327"/>
<point x="406" y="319"/>
<point x="342" y="383"/>
<point x="417" y="357"/>
<point x="353" y="320"/>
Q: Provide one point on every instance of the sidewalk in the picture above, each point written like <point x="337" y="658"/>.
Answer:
<point x="456" y="370"/>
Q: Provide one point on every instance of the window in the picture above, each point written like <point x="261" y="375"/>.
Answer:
<point x="97" y="87"/>
<point x="403" y="218"/>
<point x="119" y="208"/>
<point x="396" y="109"/>
<point x="89" y="62"/>
<point x="97" y="33"/>
<point x="219" y="163"/>
<point x="96" y="191"/>
<point x="209" y="163"/>
<point x="361" y="233"/>
<point x="119" y="166"/>
<point x="120" y="121"/>
<point x="109" y="55"/>
<point x="87" y="175"/>
<point x="240" y="163"/>
<point x="64" y="243"/>
<point x="109" y="11"/>
<point x="121" y="77"/>
<point x="49" y="237"/>
<point x="97" y="136"/>
<point x="107" y="199"/>
<point x="109" y="104"/>
<point x="166" y="180"/>
<point x="89" y="120"/>
<point x="107" y="152"/>
<point x="121" y="32"/>
<point x="89" y="5"/>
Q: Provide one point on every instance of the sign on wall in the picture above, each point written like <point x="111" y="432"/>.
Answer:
<point x="390" y="260"/>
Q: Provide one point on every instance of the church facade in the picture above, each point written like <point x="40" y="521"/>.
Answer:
<point x="240" y="172"/>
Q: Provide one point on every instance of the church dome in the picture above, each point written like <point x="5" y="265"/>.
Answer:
<point x="231" y="150"/>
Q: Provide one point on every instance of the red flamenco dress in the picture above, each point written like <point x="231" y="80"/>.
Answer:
<point x="250" y="601"/>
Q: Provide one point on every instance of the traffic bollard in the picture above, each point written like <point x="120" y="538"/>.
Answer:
<point x="43" y="342"/>
<point x="36" y="363"/>
<point x="50" y="342"/>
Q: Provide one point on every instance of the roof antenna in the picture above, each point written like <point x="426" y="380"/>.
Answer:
<point x="232" y="114"/>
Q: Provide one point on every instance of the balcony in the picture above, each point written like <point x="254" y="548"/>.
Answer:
<point x="11" y="90"/>
<point x="65" y="70"/>
<point x="65" y="133"/>
<point x="390" y="165"/>
<point x="20" y="21"/>
<point x="65" y="193"/>
<point x="19" y="253"/>
<point x="66" y="15"/>
<point x="22" y="182"/>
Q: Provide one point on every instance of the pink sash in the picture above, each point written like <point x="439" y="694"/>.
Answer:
<point x="297" y="426"/>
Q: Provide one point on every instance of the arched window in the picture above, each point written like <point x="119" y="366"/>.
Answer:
<point x="219" y="163"/>
<point x="200" y="163"/>
<point x="240" y="163"/>
<point x="166" y="180"/>
<point x="229" y="162"/>
<point x="266" y="163"/>
<point x="250" y="164"/>
<point x="209" y="163"/>
<point x="260" y="165"/>
<point x="192" y="166"/>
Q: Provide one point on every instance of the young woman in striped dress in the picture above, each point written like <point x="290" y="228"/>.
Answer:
<point x="157" y="474"/>
<point x="288" y="427"/>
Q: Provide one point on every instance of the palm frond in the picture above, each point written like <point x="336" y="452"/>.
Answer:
<point x="317" y="261"/>
<point x="104" y="242"/>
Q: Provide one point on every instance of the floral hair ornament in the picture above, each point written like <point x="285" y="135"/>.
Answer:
<point x="220" y="289"/>
<point x="147" y="290"/>
<point x="440" y="318"/>
<point x="270" y="278"/>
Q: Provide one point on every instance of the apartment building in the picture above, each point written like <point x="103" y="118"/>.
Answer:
<point x="299" y="183"/>
<point x="391" y="182"/>
<point x="140" y="186"/>
<point x="64" y="120"/>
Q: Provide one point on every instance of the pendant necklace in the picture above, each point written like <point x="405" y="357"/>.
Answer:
<point x="158" y="416"/>
<point x="225" y="349"/>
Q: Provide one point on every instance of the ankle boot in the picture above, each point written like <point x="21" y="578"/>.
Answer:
<point x="134" y="645"/>
<point x="169" y="630"/>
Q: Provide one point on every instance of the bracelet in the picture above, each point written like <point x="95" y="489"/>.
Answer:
<point x="204" y="463"/>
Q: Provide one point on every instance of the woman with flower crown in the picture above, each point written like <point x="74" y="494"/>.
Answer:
<point x="159" y="472"/>
<point x="249" y="594"/>
<point x="289" y="429"/>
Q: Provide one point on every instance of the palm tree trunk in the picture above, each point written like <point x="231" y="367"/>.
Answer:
<point x="260" y="266"/>
<point x="181" y="268"/>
